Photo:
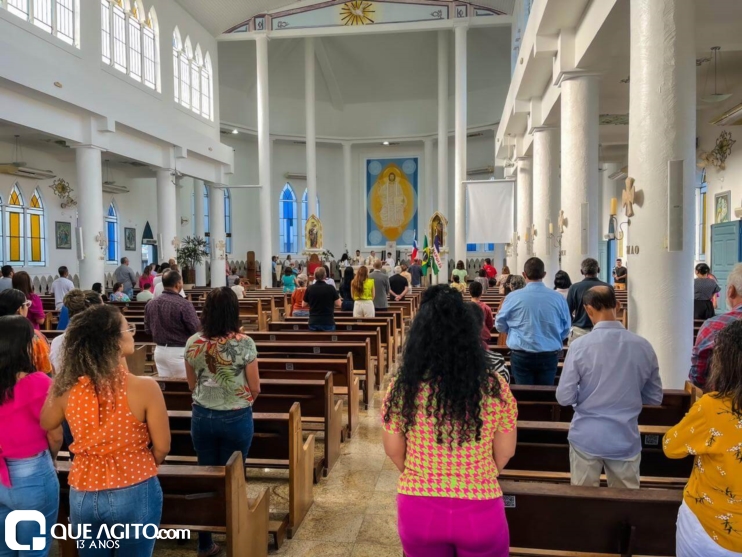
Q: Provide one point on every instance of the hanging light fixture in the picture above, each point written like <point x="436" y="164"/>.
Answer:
<point x="716" y="96"/>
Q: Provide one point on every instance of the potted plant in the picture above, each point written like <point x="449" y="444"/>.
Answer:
<point x="191" y="252"/>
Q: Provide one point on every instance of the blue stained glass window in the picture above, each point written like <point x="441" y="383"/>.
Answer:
<point x="287" y="219"/>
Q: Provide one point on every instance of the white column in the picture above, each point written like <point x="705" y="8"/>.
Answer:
<point x="524" y="209"/>
<point x="90" y="214"/>
<point x="264" y="161"/>
<point x="579" y="169"/>
<point x="546" y="197"/>
<point x="309" y="94"/>
<point x="430" y="196"/>
<point x="442" y="204"/>
<point x="460" y="158"/>
<point x="662" y="129"/>
<point x="198" y="192"/>
<point x="218" y="237"/>
<point x="167" y="212"/>
<point x="348" y="199"/>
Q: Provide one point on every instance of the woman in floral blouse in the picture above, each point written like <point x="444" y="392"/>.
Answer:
<point x="710" y="518"/>
<point x="222" y="372"/>
<point x="449" y="427"/>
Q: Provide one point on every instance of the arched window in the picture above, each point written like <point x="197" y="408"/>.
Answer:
<point x="287" y="217"/>
<point x="192" y="77"/>
<point x="57" y="17"/>
<point x="112" y="234"/>
<point x="480" y="248"/>
<point x="36" y="238"/>
<point x="228" y="219"/>
<point x="14" y="227"/>
<point x="304" y="215"/>
<point x="129" y="40"/>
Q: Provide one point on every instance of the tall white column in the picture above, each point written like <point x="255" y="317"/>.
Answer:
<point x="90" y="214"/>
<point x="309" y="94"/>
<point x="443" y="186"/>
<point x="429" y="188"/>
<point x="167" y="212"/>
<point x="198" y="194"/>
<point x="524" y="210"/>
<point x="460" y="34"/>
<point x="662" y="130"/>
<point x="264" y="161"/>
<point x="546" y="197"/>
<point x="347" y="179"/>
<point x="218" y="251"/>
<point x="579" y="191"/>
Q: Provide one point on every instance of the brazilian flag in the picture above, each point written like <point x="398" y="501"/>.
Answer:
<point x="426" y="257"/>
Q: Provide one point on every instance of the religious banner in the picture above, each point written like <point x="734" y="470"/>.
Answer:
<point x="391" y="201"/>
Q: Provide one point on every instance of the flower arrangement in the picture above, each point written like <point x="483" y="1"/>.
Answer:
<point x="63" y="191"/>
<point x="718" y="155"/>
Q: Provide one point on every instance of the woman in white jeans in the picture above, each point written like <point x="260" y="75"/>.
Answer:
<point x="710" y="518"/>
<point x="363" y="291"/>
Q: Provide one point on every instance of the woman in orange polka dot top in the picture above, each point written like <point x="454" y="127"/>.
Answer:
<point x="449" y="426"/>
<point x="114" y="417"/>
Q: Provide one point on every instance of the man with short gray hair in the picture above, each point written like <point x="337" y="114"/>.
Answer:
<point x="581" y="324"/>
<point x="704" y="348"/>
<point x="398" y="285"/>
<point x="381" y="286"/>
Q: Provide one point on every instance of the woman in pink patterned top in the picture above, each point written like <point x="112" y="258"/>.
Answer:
<point x="449" y="426"/>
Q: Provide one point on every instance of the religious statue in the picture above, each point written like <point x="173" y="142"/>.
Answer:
<point x="438" y="234"/>
<point x="313" y="233"/>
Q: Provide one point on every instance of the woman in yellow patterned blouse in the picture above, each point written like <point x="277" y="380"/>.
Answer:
<point x="710" y="518"/>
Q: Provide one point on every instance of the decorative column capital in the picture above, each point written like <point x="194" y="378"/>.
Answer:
<point x="574" y="74"/>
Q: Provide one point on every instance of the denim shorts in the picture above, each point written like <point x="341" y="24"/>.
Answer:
<point x="34" y="487"/>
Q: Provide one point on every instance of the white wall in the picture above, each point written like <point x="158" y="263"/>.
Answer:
<point x="135" y="208"/>
<point x="289" y="157"/>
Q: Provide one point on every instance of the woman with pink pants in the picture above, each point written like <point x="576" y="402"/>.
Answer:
<point x="449" y="426"/>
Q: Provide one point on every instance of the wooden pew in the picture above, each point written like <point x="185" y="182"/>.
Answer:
<point x="574" y="521"/>
<point x="319" y="411"/>
<point x="538" y="403"/>
<point x="204" y="499"/>
<point x="344" y="380"/>
<point x="543" y="446"/>
<point x="277" y="443"/>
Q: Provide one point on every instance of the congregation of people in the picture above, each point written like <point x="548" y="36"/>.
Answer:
<point x="449" y="416"/>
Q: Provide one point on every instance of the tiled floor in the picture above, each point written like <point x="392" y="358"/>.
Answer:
<point x="354" y="511"/>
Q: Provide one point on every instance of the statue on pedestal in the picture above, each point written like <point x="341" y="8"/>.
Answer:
<point x="313" y="234"/>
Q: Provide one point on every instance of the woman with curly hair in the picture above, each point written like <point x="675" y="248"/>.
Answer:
<point x="222" y="371"/>
<point x="120" y="426"/>
<point x="449" y="426"/>
<point x="710" y="518"/>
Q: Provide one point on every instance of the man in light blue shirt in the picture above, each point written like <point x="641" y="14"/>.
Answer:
<point x="607" y="376"/>
<point x="537" y="321"/>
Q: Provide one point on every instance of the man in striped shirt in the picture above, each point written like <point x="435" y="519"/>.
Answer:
<point x="704" y="347"/>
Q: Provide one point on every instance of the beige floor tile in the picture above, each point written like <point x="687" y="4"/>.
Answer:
<point x="388" y="480"/>
<point x="330" y="527"/>
<point x="359" y="462"/>
<point x="380" y="529"/>
<point x="298" y="548"/>
<point x="375" y="550"/>
<point x="361" y="480"/>
<point x="337" y="499"/>
<point x="382" y="502"/>
<point x="389" y="465"/>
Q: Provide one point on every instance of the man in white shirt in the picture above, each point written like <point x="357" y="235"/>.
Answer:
<point x="238" y="289"/>
<point x="61" y="286"/>
<point x="390" y="262"/>
<point x="145" y="295"/>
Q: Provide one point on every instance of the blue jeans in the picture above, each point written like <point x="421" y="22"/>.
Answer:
<point x="322" y="327"/>
<point x="534" y="368"/>
<point x="34" y="487"/>
<point x="216" y="435"/>
<point x="130" y="292"/>
<point x="136" y="504"/>
<point x="300" y="313"/>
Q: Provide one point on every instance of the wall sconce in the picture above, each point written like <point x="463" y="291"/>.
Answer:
<point x="184" y="220"/>
<point x="530" y="238"/>
<point x="615" y="230"/>
<point x="555" y="240"/>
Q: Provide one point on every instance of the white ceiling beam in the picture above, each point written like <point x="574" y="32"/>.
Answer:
<point x="336" y="98"/>
<point x="384" y="28"/>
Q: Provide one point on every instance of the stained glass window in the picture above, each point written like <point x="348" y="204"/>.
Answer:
<point x="14" y="227"/>
<point x="112" y="234"/>
<point x="36" y="239"/>
<point x="480" y="248"/>
<point x="287" y="217"/>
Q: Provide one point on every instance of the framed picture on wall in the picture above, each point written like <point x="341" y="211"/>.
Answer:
<point x="130" y="239"/>
<point x="722" y="205"/>
<point x="63" y="235"/>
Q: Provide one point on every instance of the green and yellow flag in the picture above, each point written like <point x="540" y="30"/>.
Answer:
<point x="426" y="257"/>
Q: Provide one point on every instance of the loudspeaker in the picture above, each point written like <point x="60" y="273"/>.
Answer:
<point x="675" y="205"/>
<point x="584" y="222"/>
<point x="80" y="245"/>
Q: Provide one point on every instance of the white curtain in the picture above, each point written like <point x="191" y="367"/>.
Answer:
<point x="489" y="209"/>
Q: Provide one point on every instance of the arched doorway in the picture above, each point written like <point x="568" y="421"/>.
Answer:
<point x="149" y="247"/>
